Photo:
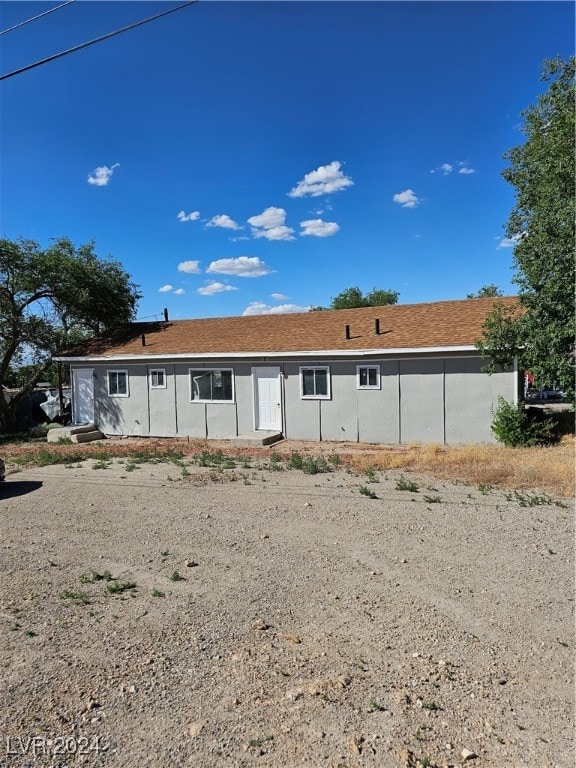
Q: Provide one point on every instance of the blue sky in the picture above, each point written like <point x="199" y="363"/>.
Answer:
<point x="251" y="157"/>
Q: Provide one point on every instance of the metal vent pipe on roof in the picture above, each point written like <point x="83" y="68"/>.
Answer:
<point x="376" y="327"/>
<point x="347" y="332"/>
<point x="165" y="314"/>
<point x="143" y="337"/>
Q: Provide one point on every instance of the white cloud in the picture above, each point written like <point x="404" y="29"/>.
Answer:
<point x="179" y="292"/>
<point x="101" y="176"/>
<point x="165" y="288"/>
<point x="211" y="288"/>
<point x="259" y="308"/>
<point x="243" y="266"/>
<point x="508" y="242"/>
<point x="192" y="216"/>
<point x="224" y="221"/>
<point x="274" y="233"/>
<point x="406" y="199"/>
<point x="270" y="217"/>
<point x="278" y="296"/>
<point x="319" y="228"/>
<point x="325" y="180"/>
<point x="190" y="267"/>
<point x="270" y="225"/>
<point x="447" y="168"/>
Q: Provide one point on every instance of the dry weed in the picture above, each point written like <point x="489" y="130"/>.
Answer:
<point x="549" y="469"/>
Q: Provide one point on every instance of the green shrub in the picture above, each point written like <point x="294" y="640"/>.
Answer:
<point x="515" y="427"/>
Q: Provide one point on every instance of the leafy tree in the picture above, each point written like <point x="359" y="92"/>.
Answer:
<point x="541" y="332"/>
<point x="50" y="298"/>
<point x="352" y="298"/>
<point x="489" y="291"/>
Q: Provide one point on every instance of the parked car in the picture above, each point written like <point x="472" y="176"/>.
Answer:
<point x="2" y="470"/>
<point x="546" y="393"/>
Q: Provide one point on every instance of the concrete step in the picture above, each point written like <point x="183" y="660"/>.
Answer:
<point x="256" y="439"/>
<point x="87" y="437"/>
<point x="74" y="431"/>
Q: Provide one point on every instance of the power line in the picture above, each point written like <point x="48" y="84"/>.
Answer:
<point x="96" y="40"/>
<point x="45" y="13"/>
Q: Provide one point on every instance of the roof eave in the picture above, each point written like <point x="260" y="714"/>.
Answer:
<point x="314" y="353"/>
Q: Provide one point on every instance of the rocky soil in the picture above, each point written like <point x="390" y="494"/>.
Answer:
<point x="170" y="615"/>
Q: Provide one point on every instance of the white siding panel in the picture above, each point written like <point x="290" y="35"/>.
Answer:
<point x="422" y="401"/>
<point x="378" y="409"/>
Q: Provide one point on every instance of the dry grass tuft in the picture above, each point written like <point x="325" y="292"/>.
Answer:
<point x="549" y="469"/>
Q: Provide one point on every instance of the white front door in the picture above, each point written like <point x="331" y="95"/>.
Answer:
<point x="83" y="395"/>
<point x="267" y="394"/>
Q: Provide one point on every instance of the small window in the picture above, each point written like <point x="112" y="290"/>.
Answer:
<point x="211" y="385"/>
<point x="157" y="378"/>
<point x="315" y="383"/>
<point x="118" y="383"/>
<point x="368" y="376"/>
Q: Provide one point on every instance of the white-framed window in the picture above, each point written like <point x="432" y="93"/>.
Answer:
<point x="157" y="378"/>
<point x="118" y="383"/>
<point x="211" y="385"/>
<point x="368" y="376"/>
<point x="315" y="382"/>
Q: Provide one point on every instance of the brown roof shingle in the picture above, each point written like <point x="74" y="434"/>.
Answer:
<point x="402" y="326"/>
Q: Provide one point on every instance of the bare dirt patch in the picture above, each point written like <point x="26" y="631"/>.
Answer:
<point x="172" y="614"/>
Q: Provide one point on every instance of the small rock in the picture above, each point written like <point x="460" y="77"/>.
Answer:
<point x="195" y="728"/>
<point x="190" y="563"/>
<point x="260" y="625"/>
<point x="307" y="504"/>
<point x="294" y="695"/>
<point x="356" y="744"/>
<point x="264" y="536"/>
<point x="467" y="754"/>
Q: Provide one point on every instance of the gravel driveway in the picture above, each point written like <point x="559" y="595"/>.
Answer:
<point x="281" y="619"/>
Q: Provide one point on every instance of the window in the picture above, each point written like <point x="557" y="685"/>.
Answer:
<point x="211" y="386"/>
<point x="368" y="376"/>
<point x="158" y="378"/>
<point x="118" y="383"/>
<point x="315" y="382"/>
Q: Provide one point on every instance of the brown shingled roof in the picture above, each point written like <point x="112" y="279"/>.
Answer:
<point x="402" y="326"/>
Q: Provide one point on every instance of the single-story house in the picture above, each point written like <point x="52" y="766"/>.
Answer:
<point x="392" y="374"/>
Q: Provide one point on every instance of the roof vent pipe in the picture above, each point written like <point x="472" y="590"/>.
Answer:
<point x="376" y="327"/>
<point x="143" y="337"/>
<point x="165" y="315"/>
<point x="347" y="333"/>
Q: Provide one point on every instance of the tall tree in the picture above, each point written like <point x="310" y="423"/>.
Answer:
<point x="489" y="291"/>
<point x="50" y="298"/>
<point x="541" y="334"/>
<point x="352" y="298"/>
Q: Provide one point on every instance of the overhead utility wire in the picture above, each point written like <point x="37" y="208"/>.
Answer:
<point x="96" y="40"/>
<point x="45" y="13"/>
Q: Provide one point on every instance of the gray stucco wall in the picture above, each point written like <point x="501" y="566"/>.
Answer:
<point x="426" y="399"/>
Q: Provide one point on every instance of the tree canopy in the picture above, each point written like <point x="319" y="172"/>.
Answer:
<point x="50" y="298"/>
<point x="489" y="291"/>
<point x="352" y="298"/>
<point x="542" y="222"/>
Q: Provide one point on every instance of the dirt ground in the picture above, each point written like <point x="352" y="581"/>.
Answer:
<point x="169" y="616"/>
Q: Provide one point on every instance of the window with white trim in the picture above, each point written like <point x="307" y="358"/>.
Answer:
<point x="215" y="385"/>
<point x="368" y="376"/>
<point x="118" y="383"/>
<point x="315" y="382"/>
<point x="157" y="378"/>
